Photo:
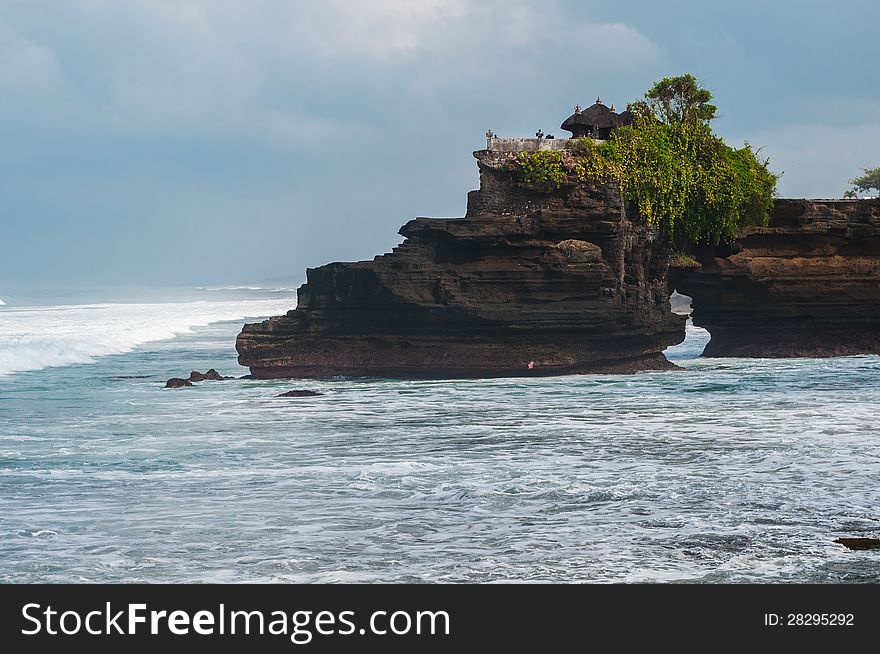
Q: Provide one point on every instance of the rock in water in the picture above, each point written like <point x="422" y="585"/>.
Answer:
<point x="807" y="285"/>
<point x="211" y="375"/>
<point x="177" y="382"/>
<point x="860" y="543"/>
<point x="299" y="394"/>
<point x="568" y="279"/>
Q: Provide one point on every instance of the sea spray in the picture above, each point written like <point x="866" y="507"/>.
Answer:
<point x="34" y="338"/>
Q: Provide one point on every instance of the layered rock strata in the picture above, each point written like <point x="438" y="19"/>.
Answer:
<point x="808" y="285"/>
<point x="532" y="281"/>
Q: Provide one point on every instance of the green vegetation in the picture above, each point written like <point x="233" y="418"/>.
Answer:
<point x="678" y="100"/>
<point x="546" y="167"/>
<point x="680" y="175"/>
<point x="870" y="180"/>
<point x="684" y="260"/>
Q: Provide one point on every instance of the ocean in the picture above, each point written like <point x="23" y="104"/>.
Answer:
<point x="730" y="470"/>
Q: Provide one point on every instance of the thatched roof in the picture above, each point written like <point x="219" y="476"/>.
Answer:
<point x="625" y="118"/>
<point x="595" y="118"/>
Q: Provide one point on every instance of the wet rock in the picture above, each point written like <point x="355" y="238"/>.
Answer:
<point x="177" y="382"/>
<point x="860" y="543"/>
<point x="298" y="393"/>
<point x="210" y="375"/>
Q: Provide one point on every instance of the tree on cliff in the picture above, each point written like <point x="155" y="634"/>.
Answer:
<point x="864" y="184"/>
<point x="672" y="166"/>
<point x="677" y="100"/>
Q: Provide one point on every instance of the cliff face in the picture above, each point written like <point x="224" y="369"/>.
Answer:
<point x="532" y="281"/>
<point x="808" y="285"/>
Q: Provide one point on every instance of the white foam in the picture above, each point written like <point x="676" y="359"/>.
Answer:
<point x="246" y="288"/>
<point x="2" y="303"/>
<point x="692" y="346"/>
<point x="33" y="338"/>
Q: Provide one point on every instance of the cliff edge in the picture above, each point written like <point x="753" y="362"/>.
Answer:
<point x="534" y="280"/>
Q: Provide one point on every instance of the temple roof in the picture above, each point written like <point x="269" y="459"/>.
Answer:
<point x="597" y="117"/>
<point x="625" y="118"/>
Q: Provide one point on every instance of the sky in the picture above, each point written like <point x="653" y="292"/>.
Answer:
<point x="168" y="143"/>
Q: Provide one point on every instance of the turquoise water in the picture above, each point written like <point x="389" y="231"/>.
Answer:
<point x="728" y="471"/>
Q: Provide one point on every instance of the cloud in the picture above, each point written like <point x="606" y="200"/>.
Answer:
<point x="327" y="123"/>
<point x="26" y="66"/>
<point x="393" y="29"/>
<point x="818" y="160"/>
<point x="277" y="72"/>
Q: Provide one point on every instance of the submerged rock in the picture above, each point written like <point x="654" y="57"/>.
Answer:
<point x="860" y="543"/>
<point x="530" y="282"/>
<point x="299" y="394"/>
<point x="177" y="382"/>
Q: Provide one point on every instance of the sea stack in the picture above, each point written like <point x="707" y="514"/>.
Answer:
<point x="535" y="280"/>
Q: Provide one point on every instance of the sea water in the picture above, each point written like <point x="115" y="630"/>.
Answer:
<point x="730" y="470"/>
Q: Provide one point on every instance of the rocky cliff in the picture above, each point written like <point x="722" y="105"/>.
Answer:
<point x="806" y="285"/>
<point x="532" y="281"/>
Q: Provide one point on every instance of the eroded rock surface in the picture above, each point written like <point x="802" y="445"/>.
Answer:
<point x="533" y="281"/>
<point x="808" y="285"/>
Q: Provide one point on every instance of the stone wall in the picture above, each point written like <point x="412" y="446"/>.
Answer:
<point x="525" y="145"/>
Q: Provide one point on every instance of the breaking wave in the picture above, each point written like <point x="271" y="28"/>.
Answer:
<point x="283" y="289"/>
<point x="33" y="338"/>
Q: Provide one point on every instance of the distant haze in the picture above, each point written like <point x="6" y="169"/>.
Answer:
<point x="160" y="142"/>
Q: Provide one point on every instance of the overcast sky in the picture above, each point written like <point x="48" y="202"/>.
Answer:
<point x="160" y="142"/>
